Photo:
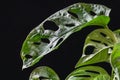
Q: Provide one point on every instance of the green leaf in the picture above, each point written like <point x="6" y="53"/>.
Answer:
<point x="43" y="73"/>
<point x="117" y="34"/>
<point x="89" y="73"/>
<point x="115" y="61"/>
<point x="55" y="29"/>
<point x="101" y="41"/>
<point x="100" y="56"/>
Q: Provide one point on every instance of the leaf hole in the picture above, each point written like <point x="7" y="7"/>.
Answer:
<point x="70" y="25"/>
<point x="89" y="50"/>
<point x="45" y="40"/>
<point x="105" y="44"/>
<point x="82" y="76"/>
<point x="111" y="48"/>
<point x="50" y="25"/>
<point x="92" y="71"/>
<point x="95" y="41"/>
<point x="36" y="43"/>
<point x="116" y="78"/>
<point x="51" y="46"/>
<point x="101" y="13"/>
<point x="73" y="14"/>
<point x="104" y="35"/>
<point x="59" y="41"/>
<point x="28" y="56"/>
<point x="92" y="13"/>
<point x="44" y="78"/>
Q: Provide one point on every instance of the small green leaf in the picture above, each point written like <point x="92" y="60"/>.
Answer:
<point x="115" y="57"/>
<point x="101" y="41"/>
<point x="89" y="73"/>
<point x="115" y="61"/>
<point x="100" y="56"/>
<point x="43" y="73"/>
<point x="55" y="29"/>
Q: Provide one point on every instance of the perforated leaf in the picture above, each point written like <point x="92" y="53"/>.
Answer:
<point x="89" y="73"/>
<point x="101" y="41"/>
<point x="43" y="73"/>
<point x="117" y="34"/>
<point x="55" y="29"/>
<point x="115" y="61"/>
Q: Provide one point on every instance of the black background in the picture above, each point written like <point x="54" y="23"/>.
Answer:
<point x="19" y="17"/>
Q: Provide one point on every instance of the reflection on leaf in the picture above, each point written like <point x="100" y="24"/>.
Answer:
<point x="43" y="73"/>
<point x="55" y="29"/>
<point x="89" y="73"/>
<point x="102" y="40"/>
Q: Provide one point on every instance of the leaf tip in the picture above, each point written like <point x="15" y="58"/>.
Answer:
<point x="76" y="66"/>
<point x="23" y="67"/>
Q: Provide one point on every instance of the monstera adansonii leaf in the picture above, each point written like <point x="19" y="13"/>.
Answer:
<point x="115" y="61"/>
<point x="115" y="57"/>
<point x="89" y="73"/>
<point x="47" y="36"/>
<point x="101" y="41"/>
<point x="43" y="73"/>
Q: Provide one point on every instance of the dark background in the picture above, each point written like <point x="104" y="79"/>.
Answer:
<point x="19" y="17"/>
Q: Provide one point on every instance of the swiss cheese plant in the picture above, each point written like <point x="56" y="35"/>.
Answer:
<point x="106" y="43"/>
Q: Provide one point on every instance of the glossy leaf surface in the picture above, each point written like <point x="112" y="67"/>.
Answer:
<point x="55" y="29"/>
<point x="89" y="73"/>
<point x="43" y="73"/>
<point x="115" y="61"/>
<point x="101" y="41"/>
